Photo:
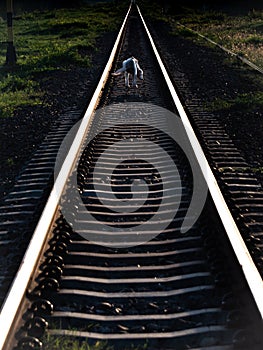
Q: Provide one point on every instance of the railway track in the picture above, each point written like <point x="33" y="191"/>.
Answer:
<point x="130" y="249"/>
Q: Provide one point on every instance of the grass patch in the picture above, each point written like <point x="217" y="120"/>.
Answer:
<point x="185" y="32"/>
<point x="240" y="34"/>
<point x="17" y="91"/>
<point x="10" y="162"/>
<point x="245" y="102"/>
<point x="258" y="170"/>
<point x="72" y="342"/>
<point x="256" y="40"/>
<point x="51" y="342"/>
<point x="59" y="39"/>
<point x="63" y="343"/>
<point x="9" y="102"/>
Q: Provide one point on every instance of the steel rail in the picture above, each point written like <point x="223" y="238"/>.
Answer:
<point x="20" y="283"/>
<point x="246" y="263"/>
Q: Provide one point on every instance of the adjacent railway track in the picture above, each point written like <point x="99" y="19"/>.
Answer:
<point x="128" y="249"/>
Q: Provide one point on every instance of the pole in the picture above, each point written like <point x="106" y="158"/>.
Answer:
<point x="11" y="52"/>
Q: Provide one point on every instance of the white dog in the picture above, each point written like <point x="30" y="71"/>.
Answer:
<point x="130" y="66"/>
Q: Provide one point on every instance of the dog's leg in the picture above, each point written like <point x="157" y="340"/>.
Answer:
<point x="134" y="83"/>
<point x="140" y="72"/>
<point x="126" y="76"/>
<point x="120" y="70"/>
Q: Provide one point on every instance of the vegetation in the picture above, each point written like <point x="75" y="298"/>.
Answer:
<point x="50" y="40"/>
<point x="245" y="102"/>
<point x="241" y="34"/>
<point x="51" y="342"/>
<point x="64" y="343"/>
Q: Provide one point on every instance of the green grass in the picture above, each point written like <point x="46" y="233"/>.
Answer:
<point x="72" y="342"/>
<point x="51" y="40"/>
<point x="242" y="102"/>
<point x="255" y="40"/>
<point x="241" y="34"/>
<point x="51" y="342"/>
<point x="17" y="92"/>
<point x="62" y="343"/>
<point x="185" y="32"/>
<point x="10" y="162"/>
